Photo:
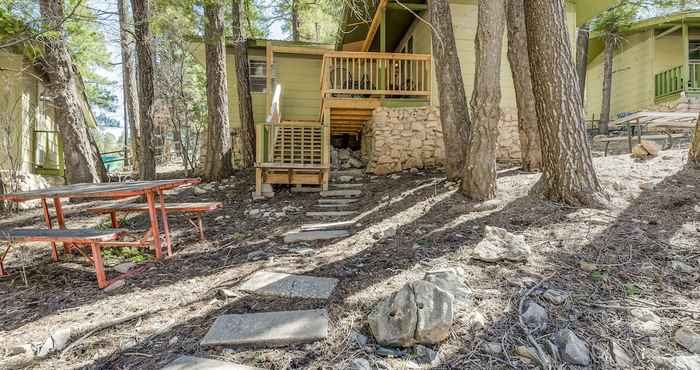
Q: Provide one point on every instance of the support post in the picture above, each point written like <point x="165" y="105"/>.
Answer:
<point x="166" y="227"/>
<point x="99" y="265"/>
<point x="326" y="148"/>
<point x="686" y="58"/>
<point x="153" y="215"/>
<point x="58" y="207"/>
<point x="49" y="224"/>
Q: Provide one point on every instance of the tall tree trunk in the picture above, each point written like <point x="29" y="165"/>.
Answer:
<point x="568" y="175"/>
<point x="218" y="161"/>
<point x="131" y="104"/>
<point x="694" y="152"/>
<point x="295" y="20"/>
<point x="82" y="159"/>
<point x="479" y="181"/>
<point x="607" y="83"/>
<point x="454" y="115"/>
<point x="582" y="37"/>
<point x="144" y="54"/>
<point x="245" y="105"/>
<point x="530" y="151"/>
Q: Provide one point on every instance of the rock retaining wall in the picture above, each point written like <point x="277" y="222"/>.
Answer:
<point x="396" y="139"/>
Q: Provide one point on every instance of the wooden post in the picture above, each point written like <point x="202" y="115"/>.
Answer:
<point x="49" y="224"/>
<point x="686" y="58"/>
<point x="326" y="148"/>
<point x="153" y="216"/>
<point x="268" y="69"/>
<point x="259" y="150"/>
<point x="58" y="208"/>
<point x="99" y="265"/>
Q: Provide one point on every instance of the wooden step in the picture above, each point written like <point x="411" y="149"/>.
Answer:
<point x="342" y="193"/>
<point x="337" y="201"/>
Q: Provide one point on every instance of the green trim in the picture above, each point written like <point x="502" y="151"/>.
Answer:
<point x="410" y="6"/>
<point x="405" y="103"/>
<point x="686" y="55"/>
<point x="667" y="98"/>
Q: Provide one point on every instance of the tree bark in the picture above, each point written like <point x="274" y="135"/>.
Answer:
<point x="454" y="115"/>
<point x="131" y="104"/>
<point x="568" y="175"/>
<point x="479" y="181"/>
<point x="218" y="163"/>
<point x="530" y="151"/>
<point x="245" y="105"/>
<point x="82" y="159"/>
<point x="694" y="152"/>
<point x="607" y="84"/>
<point x="144" y="54"/>
<point x="295" y="20"/>
<point x="582" y="37"/>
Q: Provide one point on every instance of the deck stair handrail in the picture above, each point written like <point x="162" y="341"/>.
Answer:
<point x="668" y="82"/>
<point x="375" y="74"/>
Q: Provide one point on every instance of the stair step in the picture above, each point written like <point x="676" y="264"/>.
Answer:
<point x="342" y="193"/>
<point x="312" y="235"/>
<point x="306" y="189"/>
<point x="337" y="201"/>
<point x="198" y="363"/>
<point x="340" y="226"/>
<point x="268" y="329"/>
<point x="289" y="286"/>
<point x="337" y="205"/>
<point x="347" y="186"/>
<point x="330" y="213"/>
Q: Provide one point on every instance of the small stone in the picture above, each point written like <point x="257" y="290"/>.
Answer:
<point x="57" y="341"/>
<point x="499" y="245"/>
<point x="345" y="178"/>
<point x="198" y="190"/>
<point x="587" y="266"/>
<point x="492" y="348"/>
<point x="390" y="232"/>
<point x="687" y="338"/>
<point x="360" y="339"/>
<point x="173" y="340"/>
<point x="115" y="286"/>
<point x="646" y="186"/>
<point x="527" y="353"/>
<point x="644" y="321"/>
<point x="358" y="364"/>
<point x="254" y="255"/>
<point x="556" y="296"/>
<point x="572" y="349"/>
<point x="124" y="267"/>
<point x="667" y="157"/>
<point x="535" y="316"/>
<point x="389" y="352"/>
<point x="425" y="355"/>
<point x="477" y="321"/>
<point x="622" y="359"/>
<point x="682" y="267"/>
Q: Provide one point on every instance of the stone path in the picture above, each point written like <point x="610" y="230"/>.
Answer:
<point x="342" y="193"/>
<point x="196" y="363"/>
<point x="311" y="235"/>
<point x="270" y="329"/>
<point x="287" y="285"/>
<point x="330" y="213"/>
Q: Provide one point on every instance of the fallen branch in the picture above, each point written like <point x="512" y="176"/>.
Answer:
<point x="105" y="325"/>
<point x="542" y="356"/>
<point x="659" y="308"/>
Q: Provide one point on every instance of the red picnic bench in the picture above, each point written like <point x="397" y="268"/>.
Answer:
<point x="77" y="238"/>
<point x="197" y="208"/>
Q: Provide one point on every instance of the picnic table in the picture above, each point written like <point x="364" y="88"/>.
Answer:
<point x="148" y="189"/>
<point x="665" y="122"/>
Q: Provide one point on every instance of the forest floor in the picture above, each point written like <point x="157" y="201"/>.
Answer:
<point x="640" y="248"/>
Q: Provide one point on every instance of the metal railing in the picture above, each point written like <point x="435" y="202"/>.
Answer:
<point x="368" y="74"/>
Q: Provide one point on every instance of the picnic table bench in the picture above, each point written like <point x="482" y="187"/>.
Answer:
<point x="95" y="238"/>
<point x="607" y="140"/>
<point x="197" y="208"/>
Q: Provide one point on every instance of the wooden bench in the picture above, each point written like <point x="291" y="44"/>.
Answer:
<point x="608" y="140"/>
<point x="95" y="238"/>
<point x="198" y="208"/>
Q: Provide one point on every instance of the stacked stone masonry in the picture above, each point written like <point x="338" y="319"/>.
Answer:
<point x="402" y="138"/>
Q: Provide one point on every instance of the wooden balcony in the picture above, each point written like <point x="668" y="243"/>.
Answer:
<point x="669" y="83"/>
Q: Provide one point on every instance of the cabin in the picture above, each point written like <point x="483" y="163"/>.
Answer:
<point x="656" y="67"/>
<point x="31" y="149"/>
<point x="374" y="88"/>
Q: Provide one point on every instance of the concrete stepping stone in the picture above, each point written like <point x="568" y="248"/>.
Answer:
<point x="289" y="286"/>
<point x="349" y="172"/>
<point x="330" y="213"/>
<point x="342" y="193"/>
<point x="338" y="205"/>
<point x="306" y="189"/>
<point x="347" y="186"/>
<point x="268" y="329"/>
<point x="197" y="363"/>
<point x="342" y="225"/>
<point x="312" y="235"/>
<point x="337" y="201"/>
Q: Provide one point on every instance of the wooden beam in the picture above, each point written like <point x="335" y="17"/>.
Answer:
<point x="375" y="25"/>
<point x="415" y="7"/>
<point x="268" y="59"/>
<point x="686" y="58"/>
<point x="369" y="103"/>
<point x="669" y="31"/>
<point x="299" y="50"/>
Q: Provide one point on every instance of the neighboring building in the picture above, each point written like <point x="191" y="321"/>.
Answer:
<point x="30" y="144"/>
<point x="377" y="86"/>
<point x="657" y="67"/>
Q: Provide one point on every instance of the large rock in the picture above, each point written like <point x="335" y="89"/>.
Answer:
<point x="451" y="280"/>
<point x="678" y="362"/>
<point x="534" y="316"/>
<point x="420" y="312"/>
<point x="500" y="245"/>
<point x="572" y="348"/>
<point x="687" y="338"/>
<point x="621" y="357"/>
<point x="435" y="312"/>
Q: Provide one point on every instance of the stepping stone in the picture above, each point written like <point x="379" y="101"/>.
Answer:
<point x="306" y="189"/>
<point x="342" y="193"/>
<point x="268" y="329"/>
<point x="337" y="201"/>
<point x="347" y="186"/>
<point x="329" y="226"/>
<point x="289" y="286"/>
<point x="196" y="363"/>
<point x="351" y="172"/>
<point x="311" y="235"/>
<point x="330" y="213"/>
<point x="338" y="205"/>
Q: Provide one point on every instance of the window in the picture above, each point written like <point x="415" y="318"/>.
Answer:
<point x="258" y="75"/>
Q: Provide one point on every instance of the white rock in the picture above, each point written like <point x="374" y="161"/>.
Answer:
<point x="452" y="281"/>
<point x="492" y="348"/>
<point x="644" y="321"/>
<point x="124" y="267"/>
<point x="115" y="286"/>
<point x="678" y="362"/>
<point x="622" y="359"/>
<point x="198" y="190"/>
<point x="572" y="349"/>
<point x="683" y="267"/>
<point x="556" y="296"/>
<point x="57" y="341"/>
<point x="687" y="338"/>
<point x="345" y="178"/>
<point x="390" y="232"/>
<point x="358" y="364"/>
<point x="435" y="312"/>
<point x="499" y="245"/>
<point x="534" y="316"/>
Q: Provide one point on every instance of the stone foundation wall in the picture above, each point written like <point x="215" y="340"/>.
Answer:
<point x="397" y="139"/>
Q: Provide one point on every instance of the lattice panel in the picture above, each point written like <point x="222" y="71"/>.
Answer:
<point x="297" y="145"/>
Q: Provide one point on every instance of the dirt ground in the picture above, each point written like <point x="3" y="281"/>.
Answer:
<point x="636" y="246"/>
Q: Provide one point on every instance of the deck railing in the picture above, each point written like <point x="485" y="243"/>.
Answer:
<point x="668" y="82"/>
<point x="355" y="74"/>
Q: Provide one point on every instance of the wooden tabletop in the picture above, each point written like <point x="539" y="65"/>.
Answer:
<point x="54" y="235"/>
<point x="102" y="190"/>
